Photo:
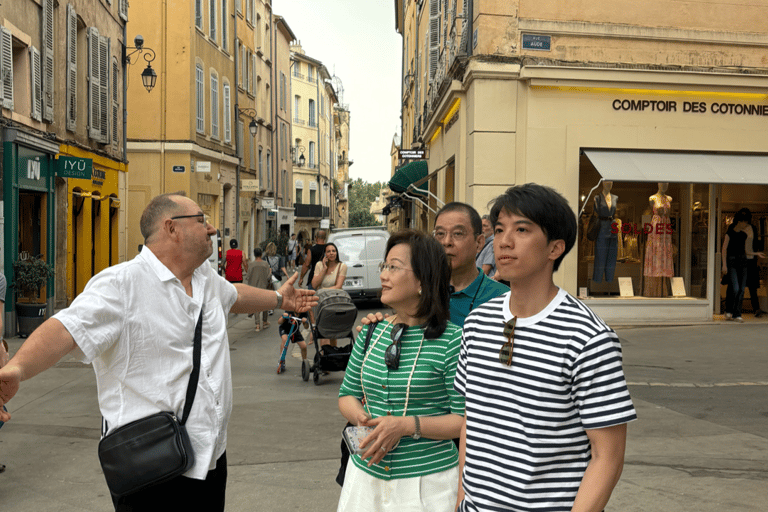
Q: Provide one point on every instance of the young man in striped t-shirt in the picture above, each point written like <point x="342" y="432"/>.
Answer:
<point x="546" y="399"/>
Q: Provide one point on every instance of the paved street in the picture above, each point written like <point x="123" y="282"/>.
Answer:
<point x="701" y="443"/>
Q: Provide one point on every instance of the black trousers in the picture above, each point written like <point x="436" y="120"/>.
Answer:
<point x="181" y="493"/>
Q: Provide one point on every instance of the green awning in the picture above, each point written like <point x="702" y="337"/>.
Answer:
<point x="410" y="173"/>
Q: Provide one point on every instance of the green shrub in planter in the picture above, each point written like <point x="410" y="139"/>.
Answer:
<point x="30" y="275"/>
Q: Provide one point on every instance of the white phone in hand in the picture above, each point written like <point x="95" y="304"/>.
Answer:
<point x="353" y="436"/>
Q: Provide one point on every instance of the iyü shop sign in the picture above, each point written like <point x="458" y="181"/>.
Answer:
<point x="74" y="167"/>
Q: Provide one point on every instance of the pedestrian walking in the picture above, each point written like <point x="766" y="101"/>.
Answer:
<point x="485" y="260"/>
<point x="546" y="398"/>
<point x="292" y="247"/>
<point x="235" y="263"/>
<point x="134" y="322"/>
<point x="259" y="276"/>
<point x="276" y="263"/>
<point x="317" y="252"/>
<point x="737" y="248"/>
<point x="409" y="461"/>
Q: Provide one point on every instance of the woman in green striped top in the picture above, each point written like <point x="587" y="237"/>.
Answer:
<point x="402" y="385"/>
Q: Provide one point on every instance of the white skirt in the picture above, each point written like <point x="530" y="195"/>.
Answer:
<point x="430" y="493"/>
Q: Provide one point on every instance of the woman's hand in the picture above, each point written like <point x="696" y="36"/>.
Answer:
<point x="385" y="436"/>
<point x="725" y="268"/>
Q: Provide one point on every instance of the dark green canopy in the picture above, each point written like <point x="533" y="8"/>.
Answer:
<point x="407" y="174"/>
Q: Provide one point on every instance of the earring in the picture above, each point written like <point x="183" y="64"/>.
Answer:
<point x="419" y="291"/>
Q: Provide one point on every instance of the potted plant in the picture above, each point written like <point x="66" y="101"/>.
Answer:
<point x="30" y="274"/>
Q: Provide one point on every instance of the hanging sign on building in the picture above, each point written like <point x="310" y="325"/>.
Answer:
<point x="203" y="167"/>
<point x="178" y="168"/>
<point x="412" y="154"/>
<point x="249" y="185"/>
<point x="74" y="167"/>
<point x="268" y="203"/>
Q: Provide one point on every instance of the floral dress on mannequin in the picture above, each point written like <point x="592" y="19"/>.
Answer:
<point x="658" y="248"/>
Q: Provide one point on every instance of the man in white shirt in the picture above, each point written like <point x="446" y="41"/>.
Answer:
<point x="135" y="322"/>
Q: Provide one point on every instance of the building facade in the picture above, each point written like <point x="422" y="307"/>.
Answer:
<point x="313" y="140"/>
<point x="285" y="214"/>
<point x="340" y="183"/>
<point x="662" y="110"/>
<point x="63" y="160"/>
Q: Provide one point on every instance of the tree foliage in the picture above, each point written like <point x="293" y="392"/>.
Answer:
<point x="361" y="195"/>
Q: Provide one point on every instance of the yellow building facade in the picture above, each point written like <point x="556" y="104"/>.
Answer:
<point x="593" y="96"/>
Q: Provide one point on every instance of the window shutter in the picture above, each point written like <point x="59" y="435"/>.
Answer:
<point x="434" y="36"/>
<point x="47" y="78"/>
<point x="227" y="115"/>
<point x="200" y="99"/>
<point x="115" y="103"/>
<point x="199" y="13"/>
<point x="214" y="106"/>
<point x="239" y="136"/>
<point x="71" y="68"/>
<point x="123" y="9"/>
<point x="94" y="119"/>
<point x="104" y="102"/>
<point x="212" y="31"/>
<point x="35" y="78"/>
<point x="6" y="67"/>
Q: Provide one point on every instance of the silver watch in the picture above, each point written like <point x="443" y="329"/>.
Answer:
<point x="279" y="300"/>
<point x="417" y="431"/>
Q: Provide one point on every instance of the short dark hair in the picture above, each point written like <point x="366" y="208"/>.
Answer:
<point x="544" y="206"/>
<point x="338" y="254"/>
<point x="157" y="207"/>
<point x="431" y="267"/>
<point x="474" y="217"/>
<point x="743" y="215"/>
<point x="257" y="252"/>
<point x="233" y="243"/>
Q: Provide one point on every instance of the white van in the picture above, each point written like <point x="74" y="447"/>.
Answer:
<point x="361" y="249"/>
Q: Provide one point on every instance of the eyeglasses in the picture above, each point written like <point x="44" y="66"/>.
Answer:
<point x="391" y="268"/>
<point x="392" y="353"/>
<point x="505" y="354"/>
<point x="203" y="218"/>
<point x="458" y="234"/>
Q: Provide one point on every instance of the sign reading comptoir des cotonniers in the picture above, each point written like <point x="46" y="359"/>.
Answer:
<point x="690" y="107"/>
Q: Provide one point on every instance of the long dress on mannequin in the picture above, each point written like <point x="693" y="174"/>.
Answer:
<point x="658" y="249"/>
<point x="606" y="243"/>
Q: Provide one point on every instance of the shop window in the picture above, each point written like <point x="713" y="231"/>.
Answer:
<point x="647" y="239"/>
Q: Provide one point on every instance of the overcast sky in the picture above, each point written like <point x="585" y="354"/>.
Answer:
<point x="357" y="41"/>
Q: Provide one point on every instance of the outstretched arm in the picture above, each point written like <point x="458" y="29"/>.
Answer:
<point x="252" y="300"/>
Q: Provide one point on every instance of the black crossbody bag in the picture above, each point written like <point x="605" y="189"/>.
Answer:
<point x="155" y="449"/>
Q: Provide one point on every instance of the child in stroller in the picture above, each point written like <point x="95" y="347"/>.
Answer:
<point x="288" y="327"/>
<point x="334" y="317"/>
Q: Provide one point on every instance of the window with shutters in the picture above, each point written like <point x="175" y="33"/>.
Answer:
<point x="434" y="36"/>
<point x="239" y="135"/>
<point x="199" y="89"/>
<point x="239" y="6"/>
<point x="282" y="91"/>
<point x="248" y="10"/>
<point x="6" y="67"/>
<point x="252" y="153"/>
<point x="47" y="60"/>
<point x="227" y="114"/>
<point x="71" y="68"/>
<point x="261" y="169"/>
<point x="123" y="9"/>
<point x="311" y="111"/>
<point x="199" y="14"/>
<point x="311" y="155"/>
<point x="224" y="25"/>
<point x="212" y="27"/>
<point x="98" y="86"/>
<point x="297" y="110"/>
<point x="269" y="170"/>
<point x="214" y="105"/>
<point x="254" y="68"/>
<point x="35" y="81"/>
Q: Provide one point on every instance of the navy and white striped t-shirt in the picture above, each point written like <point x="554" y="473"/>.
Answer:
<point x="527" y="448"/>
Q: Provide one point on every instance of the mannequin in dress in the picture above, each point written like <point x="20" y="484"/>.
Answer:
<point x="658" y="248"/>
<point x="606" y="243"/>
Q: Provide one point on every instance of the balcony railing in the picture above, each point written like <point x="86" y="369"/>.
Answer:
<point x="311" y="211"/>
<point x="298" y="75"/>
<point x="296" y="120"/>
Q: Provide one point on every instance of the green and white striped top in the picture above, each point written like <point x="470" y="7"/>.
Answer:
<point x="432" y="394"/>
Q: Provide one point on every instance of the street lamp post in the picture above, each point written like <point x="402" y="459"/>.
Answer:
<point x="148" y="76"/>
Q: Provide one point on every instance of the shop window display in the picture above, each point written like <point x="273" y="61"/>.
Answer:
<point x="648" y="232"/>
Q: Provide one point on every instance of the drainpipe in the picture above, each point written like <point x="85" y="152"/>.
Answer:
<point x="236" y="126"/>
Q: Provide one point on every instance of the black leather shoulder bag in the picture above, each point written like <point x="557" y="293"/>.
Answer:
<point x="155" y="449"/>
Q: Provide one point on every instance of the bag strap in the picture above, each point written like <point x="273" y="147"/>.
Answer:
<point x="195" y="375"/>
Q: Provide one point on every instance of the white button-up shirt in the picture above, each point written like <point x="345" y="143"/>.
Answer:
<point x="136" y="324"/>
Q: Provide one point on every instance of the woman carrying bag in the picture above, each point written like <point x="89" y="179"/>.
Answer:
<point x="405" y="381"/>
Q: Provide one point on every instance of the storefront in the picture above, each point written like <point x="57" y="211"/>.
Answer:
<point x="28" y="208"/>
<point x="663" y="167"/>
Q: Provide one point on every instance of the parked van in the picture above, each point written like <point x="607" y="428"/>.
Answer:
<point x="361" y="249"/>
<point x="215" y="259"/>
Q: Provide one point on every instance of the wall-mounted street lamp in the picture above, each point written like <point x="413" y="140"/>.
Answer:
<point x="298" y="150"/>
<point x="253" y="127"/>
<point x="148" y="76"/>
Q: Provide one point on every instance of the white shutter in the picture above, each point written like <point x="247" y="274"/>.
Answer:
<point x="123" y="9"/>
<point x="199" y="14"/>
<point x="104" y="100"/>
<point x="227" y="115"/>
<point x="214" y="106"/>
<point x="94" y="119"/>
<point x="47" y="54"/>
<point x="6" y="67"/>
<point x="434" y="36"/>
<point x="35" y="77"/>
<point x="115" y="103"/>
<point x="71" y="68"/>
<point x="200" y="99"/>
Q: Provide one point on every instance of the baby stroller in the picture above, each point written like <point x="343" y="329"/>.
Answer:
<point x="335" y="316"/>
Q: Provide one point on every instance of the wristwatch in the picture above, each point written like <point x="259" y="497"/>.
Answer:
<point x="279" y="300"/>
<point x="417" y="431"/>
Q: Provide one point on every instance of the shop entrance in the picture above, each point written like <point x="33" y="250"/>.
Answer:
<point x="32" y="223"/>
